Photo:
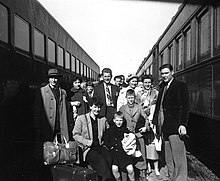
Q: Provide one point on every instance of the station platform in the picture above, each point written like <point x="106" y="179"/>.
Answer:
<point x="196" y="171"/>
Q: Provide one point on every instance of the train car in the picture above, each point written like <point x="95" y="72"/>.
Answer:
<point x="31" y="42"/>
<point x="191" y="43"/>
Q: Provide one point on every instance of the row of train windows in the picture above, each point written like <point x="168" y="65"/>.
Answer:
<point x="22" y="41"/>
<point x="194" y="40"/>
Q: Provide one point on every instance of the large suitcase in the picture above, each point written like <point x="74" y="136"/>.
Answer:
<point x="70" y="172"/>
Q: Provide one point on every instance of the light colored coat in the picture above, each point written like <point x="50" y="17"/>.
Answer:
<point x="82" y="131"/>
<point x="49" y="103"/>
<point x="133" y="116"/>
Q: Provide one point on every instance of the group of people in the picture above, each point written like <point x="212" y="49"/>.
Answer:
<point x="101" y="116"/>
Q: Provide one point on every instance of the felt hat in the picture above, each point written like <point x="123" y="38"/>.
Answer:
<point x="131" y="76"/>
<point x="53" y="73"/>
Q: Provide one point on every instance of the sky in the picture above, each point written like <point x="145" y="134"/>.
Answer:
<point x="117" y="34"/>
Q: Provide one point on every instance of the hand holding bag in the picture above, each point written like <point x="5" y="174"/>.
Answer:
<point x="50" y="153"/>
<point x="63" y="152"/>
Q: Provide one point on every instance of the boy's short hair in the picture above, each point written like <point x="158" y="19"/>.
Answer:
<point x="130" y="92"/>
<point x="95" y="101"/>
<point x="117" y="77"/>
<point x="119" y="114"/>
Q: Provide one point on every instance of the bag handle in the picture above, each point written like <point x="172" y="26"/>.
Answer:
<point x="62" y="138"/>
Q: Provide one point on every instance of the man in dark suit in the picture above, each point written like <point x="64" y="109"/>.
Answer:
<point x="108" y="94"/>
<point x="170" y="118"/>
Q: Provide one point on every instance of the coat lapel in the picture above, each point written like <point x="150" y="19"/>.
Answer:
<point x="49" y="91"/>
<point x="170" y="88"/>
<point x="134" y="110"/>
<point x="89" y="126"/>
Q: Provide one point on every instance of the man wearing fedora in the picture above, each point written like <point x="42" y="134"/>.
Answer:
<point x="50" y="110"/>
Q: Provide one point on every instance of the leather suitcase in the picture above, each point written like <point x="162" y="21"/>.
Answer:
<point x="69" y="172"/>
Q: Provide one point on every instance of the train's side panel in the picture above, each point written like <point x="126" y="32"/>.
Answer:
<point x="200" y="72"/>
<point x="21" y="73"/>
<point x="179" y="21"/>
<point x="191" y="43"/>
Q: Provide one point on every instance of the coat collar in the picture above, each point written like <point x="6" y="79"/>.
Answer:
<point x="170" y="86"/>
<point x="49" y="91"/>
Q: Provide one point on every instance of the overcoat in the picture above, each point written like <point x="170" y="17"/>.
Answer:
<point x="133" y="116"/>
<point x="45" y="113"/>
<point x="82" y="131"/>
<point x="131" y="121"/>
<point x="175" y="107"/>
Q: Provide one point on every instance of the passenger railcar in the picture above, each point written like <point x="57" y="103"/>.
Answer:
<point x="31" y="42"/>
<point x="191" y="43"/>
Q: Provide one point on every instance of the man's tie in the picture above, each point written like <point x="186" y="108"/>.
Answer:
<point x="164" y="92"/>
<point x="108" y="94"/>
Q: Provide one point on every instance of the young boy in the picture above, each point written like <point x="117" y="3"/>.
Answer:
<point x="112" y="139"/>
<point x="132" y="113"/>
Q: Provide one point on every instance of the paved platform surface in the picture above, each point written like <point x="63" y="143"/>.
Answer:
<point x="196" y="172"/>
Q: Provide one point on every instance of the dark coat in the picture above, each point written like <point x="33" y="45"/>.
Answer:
<point x="112" y="139"/>
<point x="175" y="107"/>
<point x="77" y="95"/>
<point x="99" y="91"/>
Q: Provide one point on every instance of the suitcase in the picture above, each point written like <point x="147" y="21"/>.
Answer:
<point x="70" y="172"/>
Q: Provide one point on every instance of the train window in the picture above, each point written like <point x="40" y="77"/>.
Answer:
<point x="67" y="60"/>
<point x="60" y="56"/>
<point x="91" y="74"/>
<point x="4" y="24"/>
<point x="84" y="71"/>
<point x="73" y="63"/>
<point x="77" y="66"/>
<point x="204" y="35"/>
<point x="81" y="68"/>
<point x="217" y="30"/>
<point x="161" y="62"/>
<point x="22" y="33"/>
<point x="88" y="73"/>
<point x="39" y="43"/>
<point x="179" y="52"/>
<point x="188" y="46"/>
<point x="170" y="54"/>
<point x="51" y="51"/>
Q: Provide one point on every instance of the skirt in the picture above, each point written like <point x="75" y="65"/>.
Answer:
<point x="151" y="152"/>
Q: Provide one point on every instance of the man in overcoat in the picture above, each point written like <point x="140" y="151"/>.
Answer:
<point x="50" y="111"/>
<point x="170" y="118"/>
<point x="108" y="95"/>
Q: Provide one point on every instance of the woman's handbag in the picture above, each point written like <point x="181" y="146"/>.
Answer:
<point x="158" y="143"/>
<point x="64" y="152"/>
